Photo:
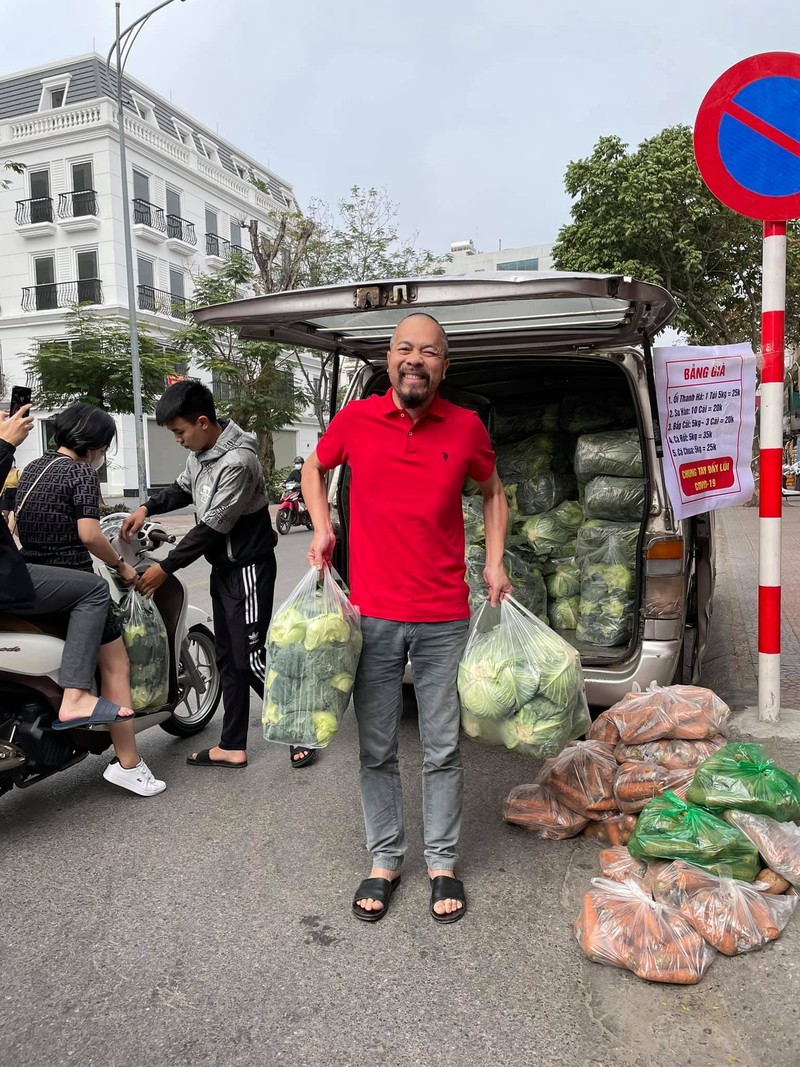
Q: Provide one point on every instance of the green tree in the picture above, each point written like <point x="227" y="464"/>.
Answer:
<point x="17" y="168"/>
<point x="648" y="213"/>
<point x="93" y="364"/>
<point x="253" y="379"/>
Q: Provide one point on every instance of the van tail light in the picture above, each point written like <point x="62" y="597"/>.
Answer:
<point x="664" y="588"/>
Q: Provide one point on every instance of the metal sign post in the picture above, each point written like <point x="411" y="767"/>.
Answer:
<point x="747" y="147"/>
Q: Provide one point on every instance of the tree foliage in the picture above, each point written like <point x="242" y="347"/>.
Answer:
<point x="253" y="379"/>
<point x="647" y="213"/>
<point x="16" y="168"/>
<point x="93" y="364"/>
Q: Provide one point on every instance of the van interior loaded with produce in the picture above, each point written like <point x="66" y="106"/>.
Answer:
<point x="559" y="368"/>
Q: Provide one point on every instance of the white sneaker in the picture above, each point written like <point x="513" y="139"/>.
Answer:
<point x="138" y="779"/>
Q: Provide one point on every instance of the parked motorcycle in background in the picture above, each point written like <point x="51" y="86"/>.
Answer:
<point x="292" y="510"/>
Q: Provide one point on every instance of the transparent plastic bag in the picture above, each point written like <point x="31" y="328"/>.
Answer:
<point x="606" y="605"/>
<point x="744" y="777"/>
<point x="614" y="828"/>
<point x="524" y="575"/>
<point x="582" y="778"/>
<point x="562" y="612"/>
<point x="514" y="424"/>
<point x="638" y="782"/>
<point x="519" y="683"/>
<point x="620" y="499"/>
<point x="614" y="452"/>
<point x="538" y="453"/>
<point x="474" y="526"/>
<point x="778" y="842"/>
<point x="671" y="753"/>
<point x="619" y="865"/>
<point x="731" y="915"/>
<point x="537" y="810"/>
<point x="609" y="543"/>
<point x="145" y="637"/>
<point x="313" y="647"/>
<point x="659" y="712"/>
<point x="620" y="925"/>
<point x="541" y="492"/>
<point x="547" y="536"/>
<point x="670" y="828"/>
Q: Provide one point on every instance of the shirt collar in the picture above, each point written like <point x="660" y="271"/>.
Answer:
<point x="387" y="406"/>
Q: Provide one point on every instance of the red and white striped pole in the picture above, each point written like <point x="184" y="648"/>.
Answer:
<point x="770" y="472"/>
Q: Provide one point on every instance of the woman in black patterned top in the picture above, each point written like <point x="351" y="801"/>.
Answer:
<point x="58" y="524"/>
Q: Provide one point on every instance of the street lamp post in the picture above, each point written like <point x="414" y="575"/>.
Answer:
<point x="129" y="35"/>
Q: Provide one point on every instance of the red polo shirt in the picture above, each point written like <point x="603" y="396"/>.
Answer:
<point x="406" y="525"/>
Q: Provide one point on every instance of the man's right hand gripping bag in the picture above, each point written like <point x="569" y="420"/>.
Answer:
<point x="520" y="684"/>
<point x="313" y="646"/>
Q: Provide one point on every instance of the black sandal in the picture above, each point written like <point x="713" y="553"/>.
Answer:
<point x="307" y="760"/>
<point x="443" y="887"/>
<point x="380" y="889"/>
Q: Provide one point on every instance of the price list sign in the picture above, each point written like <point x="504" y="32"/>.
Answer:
<point x="706" y="409"/>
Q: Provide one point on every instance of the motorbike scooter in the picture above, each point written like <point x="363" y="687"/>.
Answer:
<point x="30" y="657"/>
<point x="292" y="510"/>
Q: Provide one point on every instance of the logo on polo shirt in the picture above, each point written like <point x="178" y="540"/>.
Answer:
<point x="445" y="456"/>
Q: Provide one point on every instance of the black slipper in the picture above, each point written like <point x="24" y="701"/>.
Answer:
<point x="307" y="760"/>
<point x="203" y="759"/>
<point x="379" y="889"/>
<point x="443" y="887"/>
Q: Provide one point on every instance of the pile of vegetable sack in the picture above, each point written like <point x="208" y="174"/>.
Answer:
<point x="313" y="645"/>
<point x="520" y="685"/>
<point x="145" y="637"/>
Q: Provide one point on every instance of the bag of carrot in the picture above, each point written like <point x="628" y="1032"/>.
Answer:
<point x="778" y="842"/>
<point x="638" y="782"/>
<point x="536" y="809"/>
<point x="744" y="777"/>
<point x="582" y="778"/>
<point x="672" y="711"/>
<point x="620" y="925"/>
<point x="731" y="915"/>
<point x="670" y="828"/>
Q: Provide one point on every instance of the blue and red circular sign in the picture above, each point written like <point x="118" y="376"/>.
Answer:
<point x="747" y="137"/>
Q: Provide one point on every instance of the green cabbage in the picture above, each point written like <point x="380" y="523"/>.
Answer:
<point x="564" y="579"/>
<point x="570" y="515"/>
<point x="325" y="726"/>
<point x="563" y="612"/>
<point x="614" y="452"/>
<point x="547" y="536"/>
<point x="327" y="629"/>
<point x="287" y="627"/>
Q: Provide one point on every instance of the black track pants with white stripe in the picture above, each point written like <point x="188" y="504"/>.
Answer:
<point x="241" y="599"/>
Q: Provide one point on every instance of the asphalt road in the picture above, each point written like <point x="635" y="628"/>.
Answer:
<point x="210" y="925"/>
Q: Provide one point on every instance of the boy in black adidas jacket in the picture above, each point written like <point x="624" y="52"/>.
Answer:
<point x="224" y="481"/>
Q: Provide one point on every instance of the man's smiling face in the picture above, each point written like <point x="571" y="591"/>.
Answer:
<point x="417" y="361"/>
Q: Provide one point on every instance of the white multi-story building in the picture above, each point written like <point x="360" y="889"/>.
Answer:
<point x="190" y="196"/>
<point x="466" y="259"/>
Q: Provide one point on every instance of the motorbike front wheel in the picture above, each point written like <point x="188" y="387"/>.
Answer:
<point x="195" y="710"/>
<point x="283" y="521"/>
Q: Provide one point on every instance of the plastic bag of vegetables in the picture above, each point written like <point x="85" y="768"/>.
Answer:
<point x="520" y="684"/>
<point x="537" y="810"/>
<point x="604" y="541"/>
<point x="146" y="641"/>
<point x="538" y="453"/>
<point x="562" y="577"/>
<point x="474" y="526"/>
<point x="620" y="499"/>
<point x="621" y="925"/>
<point x="541" y="492"/>
<point x="562" y="613"/>
<point x="547" y="536"/>
<point x="670" y="828"/>
<point x="523" y="573"/>
<point x="595" y="411"/>
<point x="670" y="711"/>
<point x="512" y="424"/>
<point x="614" y="452"/>
<point x="313" y="646"/>
<point x="778" y="842"/>
<point x="744" y="777"/>
<point x="605" y="611"/>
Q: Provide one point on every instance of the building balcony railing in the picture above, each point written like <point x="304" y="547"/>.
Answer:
<point x="223" y="249"/>
<point x="179" y="229"/>
<point x="77" y="203"/>
<point x="53" y="295"/>
<point x="151" y="215"/>
<point x="161" y="302"/>
<point x="32" y="211"/>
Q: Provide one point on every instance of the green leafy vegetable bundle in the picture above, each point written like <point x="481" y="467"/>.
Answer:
<point x="620" y="499"/>
<point x="515" y="423"/>
<point x="669" y="828"/>
<point x="146" y="641"/>
<point x="542" y="452"/>
<point x="523" y="572"/>
<point x="313" y="646"/>
<point x="614" y="452"/>
<point x="541" y="491"/>
<point x="563" y="612"/>
<point x="520" y="685"/>
<point x="605" y="612"/>
<point x="744" y="777"/>
<point x="582" y="414"/>
<point x="604" y="541"/>
<point x="546" y="535"/>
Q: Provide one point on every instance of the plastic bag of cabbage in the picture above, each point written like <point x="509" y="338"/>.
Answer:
<point x="145" y="637"/>
<point x="553" y="533"/>
<point x="313" y="645"/>
<point x="520" y="685"/>
<point x="620" y="499"/>
<point x="605" y="611"/>
<point x="523" y="573"/>
<point x="614" y="452"/>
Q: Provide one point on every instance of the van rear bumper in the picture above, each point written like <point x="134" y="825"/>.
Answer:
<point x="655" y="662"/>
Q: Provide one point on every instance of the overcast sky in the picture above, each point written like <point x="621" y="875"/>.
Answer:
<point x="466" y="111"/>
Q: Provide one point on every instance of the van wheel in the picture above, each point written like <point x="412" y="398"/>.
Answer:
<point x="195" y="710"/>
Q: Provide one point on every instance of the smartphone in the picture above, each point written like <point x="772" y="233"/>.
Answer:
<point x="20" y="396"/>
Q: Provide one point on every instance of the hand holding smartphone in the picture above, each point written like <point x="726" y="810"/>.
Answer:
<point x="18" y="423"/>
<point x="20" y="396"/>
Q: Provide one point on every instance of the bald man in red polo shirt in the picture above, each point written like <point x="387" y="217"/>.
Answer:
<point x="409" y="453"/>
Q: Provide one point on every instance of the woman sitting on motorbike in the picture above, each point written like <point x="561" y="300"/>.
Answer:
<point x="58" y="524"/>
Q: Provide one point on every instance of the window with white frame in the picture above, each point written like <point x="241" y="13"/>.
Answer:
<point x="184" y="133"/>
<point x="144" y="109"/>
<point x="54" y="92"/>
<point x="240" y="168"/>
<point x="208" y="150"/>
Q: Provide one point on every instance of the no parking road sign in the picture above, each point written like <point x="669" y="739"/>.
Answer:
<point x="747" y="137"/>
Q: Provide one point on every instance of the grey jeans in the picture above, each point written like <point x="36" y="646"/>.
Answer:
<point x="85" y="598"/>
<point x="434" y="649"/>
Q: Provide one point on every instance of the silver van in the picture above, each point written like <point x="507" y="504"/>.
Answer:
<point x="517" y="339"/>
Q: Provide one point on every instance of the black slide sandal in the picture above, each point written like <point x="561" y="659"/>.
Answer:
<point x="380" y="889"/>
<point x="443" y="887"/>
<point x="307" y="760"/>
<point x="203" y="759"/>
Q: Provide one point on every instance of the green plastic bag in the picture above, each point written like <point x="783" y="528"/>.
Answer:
<point x="668" y="828"/>
<point x="744" y="777"/>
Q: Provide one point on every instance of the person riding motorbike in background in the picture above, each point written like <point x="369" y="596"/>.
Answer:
<point x="58" y="525"/>
<point x="295" y="474"/>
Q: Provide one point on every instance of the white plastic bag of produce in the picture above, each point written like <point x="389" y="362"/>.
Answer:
<point x="604" y="541"/>
<point x="313" y="646"/>
<point x="605" y="611"/>
<point x="146" y="641"/>
<point x="541" y="452"/>
<point x="615" y="452"/>
<point x="621" y="499"/>
<point x="520" y="684"/>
